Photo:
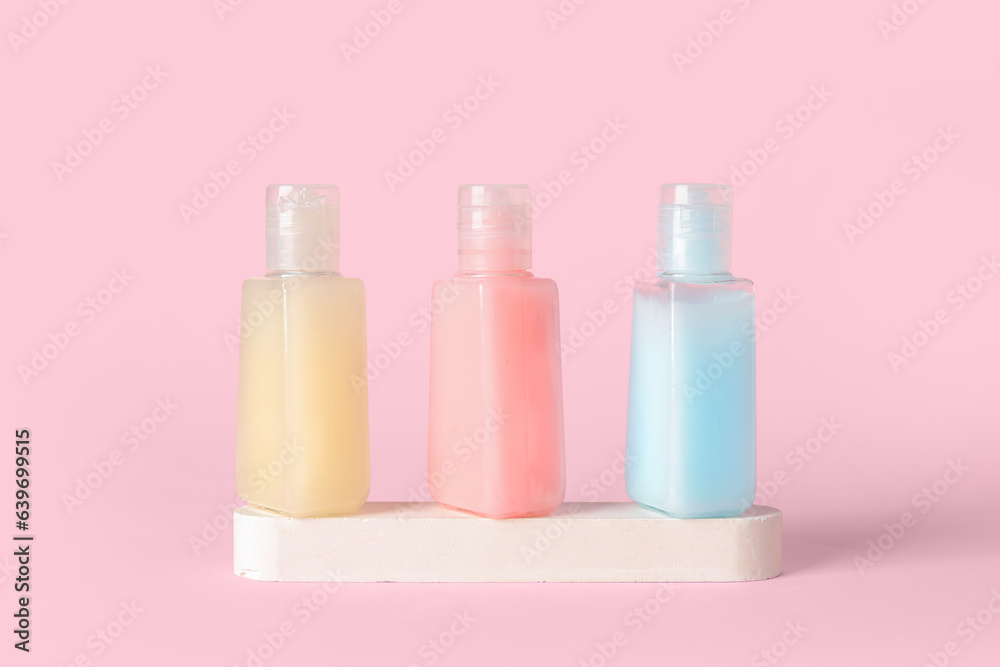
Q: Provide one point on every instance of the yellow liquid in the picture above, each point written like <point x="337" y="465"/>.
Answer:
<point x="302" y="431"/>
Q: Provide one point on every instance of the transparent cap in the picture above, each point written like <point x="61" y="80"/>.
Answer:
<point x="494" y="227"/>
<point x="303" y="228"/>
<point x="695" y="228"/>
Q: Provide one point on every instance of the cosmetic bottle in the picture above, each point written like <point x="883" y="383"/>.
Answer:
<point x="496" y="422"/>
<point x="691" y="435"/>
<point x="302" y="429"/>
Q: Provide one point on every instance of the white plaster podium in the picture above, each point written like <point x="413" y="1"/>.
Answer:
<point x="580" y="542"/>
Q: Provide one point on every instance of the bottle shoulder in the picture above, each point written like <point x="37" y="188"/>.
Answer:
<point x="497" y="285"/>
<point x="522" y="278"/>
<point x="725" y="282"/>
<point x="669" y="289"/>
<point x="709" y="279"/>
<point x="271" y="279"/>
<point x="303" y="282"/>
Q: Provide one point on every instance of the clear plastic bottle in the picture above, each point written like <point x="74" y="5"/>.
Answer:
<point x="302" y="430"/>
<point x="496" y="420"/>
<point x="691" y="440"/>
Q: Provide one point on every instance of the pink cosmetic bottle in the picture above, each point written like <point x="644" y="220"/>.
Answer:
<point x="496" y="422"/>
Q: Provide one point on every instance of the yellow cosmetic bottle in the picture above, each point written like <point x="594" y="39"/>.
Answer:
<point x="302" y="430"/>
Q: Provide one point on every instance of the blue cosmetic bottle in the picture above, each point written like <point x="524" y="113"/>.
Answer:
<point x="691" y="440"/>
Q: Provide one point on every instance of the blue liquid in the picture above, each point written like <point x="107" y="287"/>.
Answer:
<point x="691" y="442"/>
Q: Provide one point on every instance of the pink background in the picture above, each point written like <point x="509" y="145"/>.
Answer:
<point x="826" y="357"/>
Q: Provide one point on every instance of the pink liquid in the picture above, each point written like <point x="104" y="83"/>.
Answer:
<point x="496" y="430"/>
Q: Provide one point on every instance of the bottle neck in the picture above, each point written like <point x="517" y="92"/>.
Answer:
<point x="289" y="273"/>
<point x="693" y="277"/>
<point x="494" y="273"/>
